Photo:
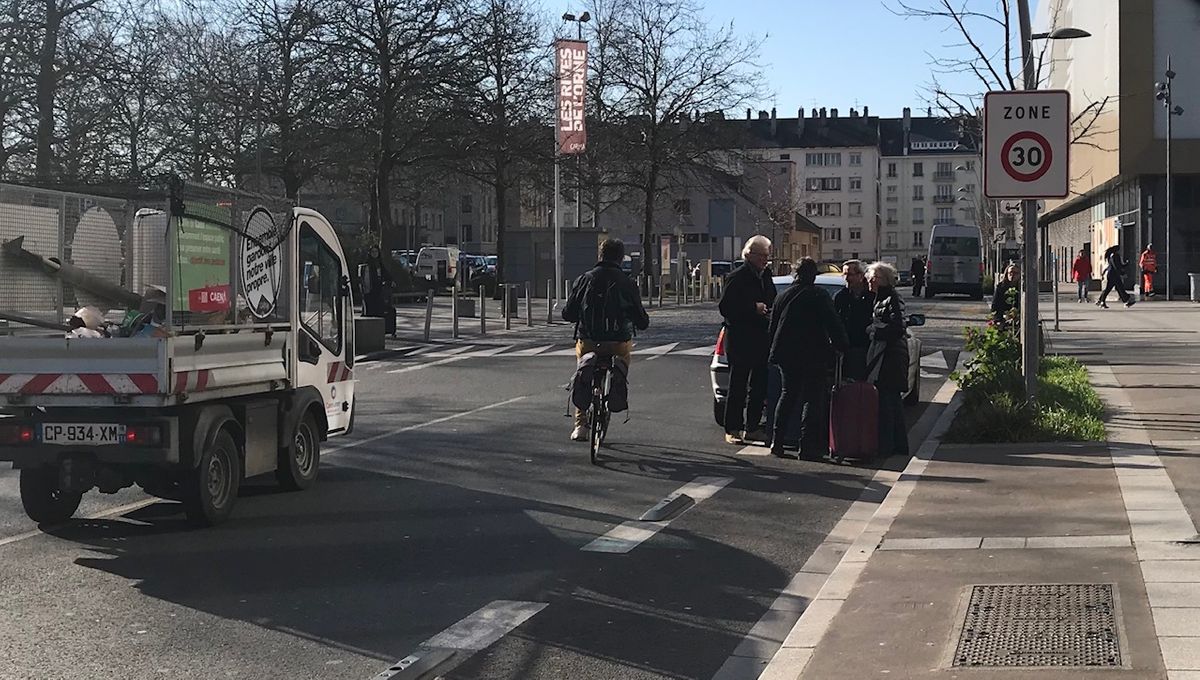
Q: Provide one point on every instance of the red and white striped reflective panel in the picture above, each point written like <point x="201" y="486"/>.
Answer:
<point x="192" y="381"/>
<point x="339" y="372"/>
<point x="78" y="383"/>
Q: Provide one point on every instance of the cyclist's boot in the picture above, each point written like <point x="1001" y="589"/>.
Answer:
<point x="579" y="434"/>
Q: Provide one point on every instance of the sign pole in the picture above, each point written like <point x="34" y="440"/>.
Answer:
<point x="1029" y="278"/>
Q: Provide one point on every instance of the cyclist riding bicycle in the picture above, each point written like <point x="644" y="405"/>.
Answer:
<point x="605" y="307"/>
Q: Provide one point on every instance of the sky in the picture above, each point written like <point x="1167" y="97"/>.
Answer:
<point x="842" y="54"/>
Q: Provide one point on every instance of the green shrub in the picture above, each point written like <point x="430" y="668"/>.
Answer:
<point x="995" y="407"/>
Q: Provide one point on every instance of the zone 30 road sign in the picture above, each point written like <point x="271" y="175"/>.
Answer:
<point x="1026" y="142"/>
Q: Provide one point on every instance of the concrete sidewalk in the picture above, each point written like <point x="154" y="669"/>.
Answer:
<point x="1101" y="537"/>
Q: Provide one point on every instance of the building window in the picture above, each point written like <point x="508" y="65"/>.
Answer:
<point x="823" y="159"/>
<point x="970" y="189"/>
<point x="824" y="210"/>
<point x="918" y="192"/>
<point x="824" y="184"/>
<point x="683" y="207"/>
<point x="855" y="158"/>
<point x="855" y="234"/>
<point x="833" y="234"/>
<point x="855" y="210"/>
<point x="944" y="171"/>
<point x="945" y="216"/>
<point x="891" y="239"/>
<point x="856" y="184"/>
<point x="891" y="170"/>
<point x="918" y="239"/>
<point x="918" y="216"/>
<point x="969" y="165"/>
<point x="785" y="156"/>
<point x="466" y="203"/>
<point x="468" y="233"/>
<point x="918" y="169"/>
<point x="891" y="216"/>
<point x="837" y="253"/>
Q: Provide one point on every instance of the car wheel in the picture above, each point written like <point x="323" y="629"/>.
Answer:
<point x="719" y="412"/>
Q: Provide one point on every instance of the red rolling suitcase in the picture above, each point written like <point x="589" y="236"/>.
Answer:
<point x="853" y="420"/>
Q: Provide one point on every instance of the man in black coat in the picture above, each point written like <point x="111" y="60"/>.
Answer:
<point x="855" y="305"/>
<point x="746" y="306"/>
<point x="805" y="332"/>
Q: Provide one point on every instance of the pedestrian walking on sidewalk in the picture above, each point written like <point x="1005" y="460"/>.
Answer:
<point x="1081" y="274"/>
<point x="887" y="359"/>
<point x="918" y="275"/>
<point x="1148" y="262"/>
<point x="376" y="283"/>
<point x="1114" y="278"/>
<point x="746" y="307"/>
<point x="805" y="332"/>
<point x="1008" y="295"/>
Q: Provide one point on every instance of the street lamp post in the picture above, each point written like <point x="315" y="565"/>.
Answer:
<point x="1164" y="95"/>
<point x="1029" y="209"/>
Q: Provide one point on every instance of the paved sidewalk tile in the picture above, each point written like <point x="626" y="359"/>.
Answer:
<point x="1181" y="653"/>
<point x="1177" y="621"/>
<point x="1173" y="571"/>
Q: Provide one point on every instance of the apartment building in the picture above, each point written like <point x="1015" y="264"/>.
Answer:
<point x="836" y="185"/>
<point x="929" y="174"/>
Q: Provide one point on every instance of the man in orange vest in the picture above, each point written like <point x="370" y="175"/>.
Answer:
<point x="1149" y="265"/>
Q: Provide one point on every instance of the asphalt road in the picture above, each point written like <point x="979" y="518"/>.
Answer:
<point x="458" y="515"/>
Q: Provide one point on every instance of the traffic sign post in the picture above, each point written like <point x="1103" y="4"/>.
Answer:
<point x="1026" y="149"/>
<point x="1026" y="144"/>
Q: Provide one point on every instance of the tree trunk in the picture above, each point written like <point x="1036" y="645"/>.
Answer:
<point x="383" y="202"/>
<point x="648" y="250"/>
<point x="47" y="83"/>
<point x="501" y="186"/>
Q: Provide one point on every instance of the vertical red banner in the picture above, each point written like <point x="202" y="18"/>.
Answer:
<point x="571" y="70"/>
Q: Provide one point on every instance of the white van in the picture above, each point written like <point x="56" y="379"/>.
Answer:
<point x="438" y="263"/>
<point x="955" y="263"/>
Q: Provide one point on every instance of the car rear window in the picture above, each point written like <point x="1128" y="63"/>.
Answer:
<point x="955" y="246"/>
<point x="831" y="290"/>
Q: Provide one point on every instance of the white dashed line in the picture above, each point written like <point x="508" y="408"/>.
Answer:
<point x="409" y="428"/>
<point x="629" y="535"/>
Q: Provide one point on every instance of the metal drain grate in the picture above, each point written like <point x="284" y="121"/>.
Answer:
<point x="1060" y="625"/>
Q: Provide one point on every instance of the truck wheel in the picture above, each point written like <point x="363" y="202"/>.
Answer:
<point x="44" y="502"/>
<point x="298" y="463"/>
<point x="213" y="487"/>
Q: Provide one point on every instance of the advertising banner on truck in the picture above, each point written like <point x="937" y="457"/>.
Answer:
<point x="202" y="286"/>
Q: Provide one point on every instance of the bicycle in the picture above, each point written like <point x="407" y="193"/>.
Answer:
<point x="598" y="413"/>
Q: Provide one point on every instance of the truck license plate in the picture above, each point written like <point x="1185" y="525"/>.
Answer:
<point x="82" y="434"/>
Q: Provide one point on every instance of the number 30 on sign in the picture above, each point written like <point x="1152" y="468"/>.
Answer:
<point x="1026" y="144"/>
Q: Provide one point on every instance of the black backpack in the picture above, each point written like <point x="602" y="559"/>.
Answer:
<point x="602" y="315"/>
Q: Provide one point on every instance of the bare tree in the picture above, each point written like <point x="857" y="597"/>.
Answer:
<point x="18" y="70"/>
<point x="401" y="62"/>
<point x="667" y="65"/>
<point x="505" y="93"/>
<point x="988" y="48"/>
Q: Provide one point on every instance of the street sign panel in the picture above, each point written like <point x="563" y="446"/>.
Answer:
<point x="1010" y="207"/>
<point x="1026" y="144"/>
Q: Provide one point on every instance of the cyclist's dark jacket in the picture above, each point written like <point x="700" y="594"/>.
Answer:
<point x="604" y="274"/>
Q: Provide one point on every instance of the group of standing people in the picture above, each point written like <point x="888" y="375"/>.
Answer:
<point x="805" y="333"/>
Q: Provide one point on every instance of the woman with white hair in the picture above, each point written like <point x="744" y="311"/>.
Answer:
<point x="887" y="358"/>
<point x="746" y="306"/>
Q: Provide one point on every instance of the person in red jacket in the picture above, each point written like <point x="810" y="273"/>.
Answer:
<point x="1149" y="265"/>
<point x="1081" y="274"/>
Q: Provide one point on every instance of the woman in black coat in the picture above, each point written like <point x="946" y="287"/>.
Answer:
<point x="376" y="284"/>
<point x="887" y="358"/>
<point x="1006" y="300"/>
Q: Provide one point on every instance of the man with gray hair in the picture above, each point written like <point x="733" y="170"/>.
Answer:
<point x="746" y="306"/>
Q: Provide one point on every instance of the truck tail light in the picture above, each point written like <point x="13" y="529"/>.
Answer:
<point x="720" y="350"/>
<point x="16" y="434"/>
<point x="144" y="435"/>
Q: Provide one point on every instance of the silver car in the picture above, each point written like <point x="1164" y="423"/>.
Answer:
<point x="830" y="283"/>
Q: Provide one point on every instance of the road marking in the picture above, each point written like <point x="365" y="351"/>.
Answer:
<point x="861" y="538"/>
<point x="629" y="535"/>
<point x="569" y="352"/>
<point x="474" y="633"/>
<point x="492" y="351"/>
<point x="935" y="360"/>
<point x="450" y="352"/>
<point x="656" y="351"/>
<point x="704" y="351"/>
<point x="410" y="428"/>
<point x="532" y="351"/>
<point x="103" y="514"/>
<point x="439" y="362"/>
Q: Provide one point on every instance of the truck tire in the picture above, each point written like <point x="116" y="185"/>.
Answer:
<point x="44" y="502"/>
<point x="298" y="463"/>
<point x="212" y="487"/>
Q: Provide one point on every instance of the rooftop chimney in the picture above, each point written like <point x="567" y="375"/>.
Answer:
<point x="762" y="115"/>
<point x="800" y="122"/>
<point x="929" y="112"/>
<point x="774" y="122"/>
<point x="823" y="111"/>
<point x="747" y="114"/>
<point x="853" y="112"/>
<point x="833" y="113"/>
<point x="866" y="112"/>
<point x="907" y="125"/>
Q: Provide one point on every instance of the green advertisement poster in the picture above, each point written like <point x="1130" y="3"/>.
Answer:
<point x="202" y="282"/>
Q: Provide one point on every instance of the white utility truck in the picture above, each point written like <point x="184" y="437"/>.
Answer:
<point x="224" y="351"/>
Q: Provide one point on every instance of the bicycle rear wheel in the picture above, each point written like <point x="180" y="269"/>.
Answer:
<point x="596" y="428"/>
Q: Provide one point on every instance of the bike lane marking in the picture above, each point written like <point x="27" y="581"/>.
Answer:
<point x="629" y="535"/>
